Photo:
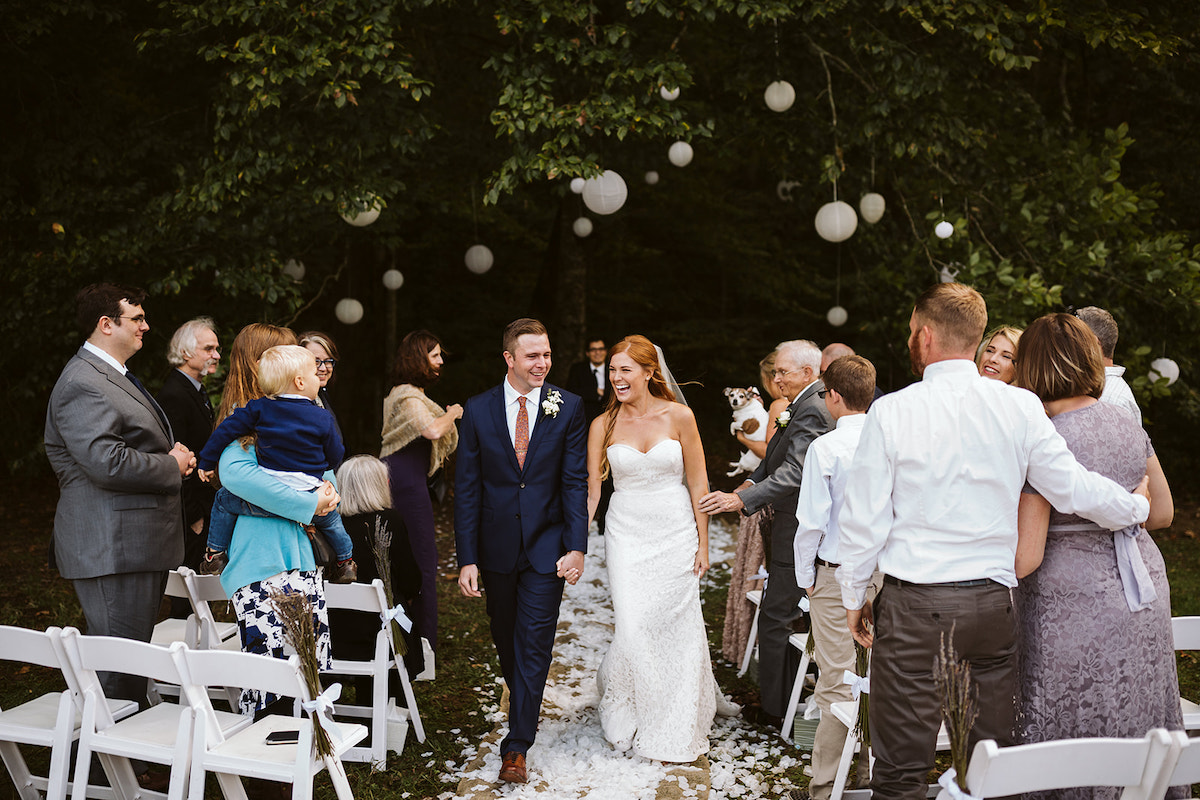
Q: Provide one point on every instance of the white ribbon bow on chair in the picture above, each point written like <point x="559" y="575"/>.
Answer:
<point x="399" y="616"/>
<point x="950" y="785"/>
<point x="859" y="684"/>
<point x="322" y="706"/>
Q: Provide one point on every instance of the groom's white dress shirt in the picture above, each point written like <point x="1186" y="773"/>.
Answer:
<point x="934" y="486"/>
<point x="511" y="406"/>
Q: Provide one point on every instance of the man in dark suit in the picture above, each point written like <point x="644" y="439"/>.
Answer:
<point x="194" y="352"/>
<point x="520" y="520"/>
<point x="776" y="482"/>
<point x="589" y="380"/>
<point x="118" y="525"/>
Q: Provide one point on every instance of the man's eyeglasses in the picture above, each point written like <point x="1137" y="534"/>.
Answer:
<point x="138" y="320"/>
<point x="326" y="363"/>
<point x="782" y="373"/>
<point x="823" y="393"/>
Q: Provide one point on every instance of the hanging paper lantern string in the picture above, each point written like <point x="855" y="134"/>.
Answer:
<point x="651" y="177"/>
<point x="582" y="227"/>
<point x="837" y="316"/>
<point x="577" y="185"/>
<point x="836" y="221"/>
<point x="294" y="269"/>
<point x="668" y="94"/>
<point x="779" y="96"/>
<point x="348" y="311"/>
<point x="478" y="259"/>
<point x="871" y="206"/>
<point x="680" y="154"/>
<point x="393" y="279"/>
<point x="944" y="230"/>
<point x="605" y="193"/>
<point x="1164" y="368"/>
<point x="361" y="211"/>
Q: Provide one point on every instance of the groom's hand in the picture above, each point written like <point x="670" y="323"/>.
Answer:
<point x="570" y="566"/>
<point x="718" y="502"/>
<point x="468" y="581"/>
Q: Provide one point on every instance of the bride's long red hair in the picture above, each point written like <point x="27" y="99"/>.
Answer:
<point x="642" y="351"/>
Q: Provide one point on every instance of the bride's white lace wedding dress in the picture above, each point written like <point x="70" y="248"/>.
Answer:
<point x="657" y="691"/>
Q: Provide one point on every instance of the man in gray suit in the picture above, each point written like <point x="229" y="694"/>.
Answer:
<point x="776" y="483"/>
<point x="119" y="525"/>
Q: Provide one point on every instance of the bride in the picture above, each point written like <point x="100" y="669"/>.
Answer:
<point x="657" y="691"/>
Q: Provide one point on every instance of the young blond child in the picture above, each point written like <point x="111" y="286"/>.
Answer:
<point x="297" y="441"/>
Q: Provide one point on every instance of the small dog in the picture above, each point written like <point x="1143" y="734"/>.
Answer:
<point x="750" y="418"/>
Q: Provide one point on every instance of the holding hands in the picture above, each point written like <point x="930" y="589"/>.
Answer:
<point x="570" y="567"/>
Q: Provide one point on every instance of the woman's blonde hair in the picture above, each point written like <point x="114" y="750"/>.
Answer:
<point x="363" y="485"/>
<point x="766" y="375"/>
<point x="241" y="385"/>
<point x="642" y="351"/>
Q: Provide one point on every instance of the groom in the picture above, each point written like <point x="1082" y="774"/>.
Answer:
<point x="520" y="520"/>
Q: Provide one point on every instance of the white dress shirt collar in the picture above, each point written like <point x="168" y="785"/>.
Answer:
<point x="195" y="383"/>
<point x="510" y="408"/>
<point x="96" y="351"/>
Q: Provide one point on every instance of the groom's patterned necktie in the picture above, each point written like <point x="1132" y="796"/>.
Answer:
<point x="522" y="437"/>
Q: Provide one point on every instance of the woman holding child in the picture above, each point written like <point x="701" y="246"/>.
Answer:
<point x="267" y="554"/>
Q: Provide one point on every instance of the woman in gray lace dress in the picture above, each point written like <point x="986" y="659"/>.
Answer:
<point x="1096" y="651"/>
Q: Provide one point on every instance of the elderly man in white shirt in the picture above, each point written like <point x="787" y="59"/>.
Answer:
<point x="849" y="388"/>
<point x="1116" y="390"/>
<point x="932" y="502"/>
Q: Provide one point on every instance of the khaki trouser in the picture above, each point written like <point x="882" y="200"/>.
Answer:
<point x="833" y="649"/>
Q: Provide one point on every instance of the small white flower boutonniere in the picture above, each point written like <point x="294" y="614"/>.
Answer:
<point x="552" y="403"/>
<point x="783" y="419"/>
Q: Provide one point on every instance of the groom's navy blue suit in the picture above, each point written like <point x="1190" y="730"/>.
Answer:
<point x="515" y="524"/>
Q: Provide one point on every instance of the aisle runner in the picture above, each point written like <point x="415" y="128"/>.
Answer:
<point x="572" y="759"/>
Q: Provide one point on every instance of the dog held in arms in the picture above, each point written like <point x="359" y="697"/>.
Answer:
<point x="750" y="418"/>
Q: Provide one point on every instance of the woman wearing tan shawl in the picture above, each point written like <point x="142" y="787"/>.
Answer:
<point x="418" y="435"/>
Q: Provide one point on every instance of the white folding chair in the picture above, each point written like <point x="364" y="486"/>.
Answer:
<point x="1187" y="637"/>
<point x="800" y="642"/>
<point x="51" y="720"/>
<point x="754" y="596"/>
<point x="171" y="629"/>
<point x="248" y="752"/>
<point x="386" y="718"/>
<point x="161" y="734"/>
<point x="1141" y="766"/>
<point x="203" y="591"/>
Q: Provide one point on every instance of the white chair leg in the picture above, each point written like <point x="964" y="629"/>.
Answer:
<point x="843" y="769"/>
<point x="19" y="770"/>
<point x="414" y="715"/>
<point x="337" y="775"/>
<point x="750" y="641"/>
<point x="794" y="701"/>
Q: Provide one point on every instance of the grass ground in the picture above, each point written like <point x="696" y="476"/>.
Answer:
<point x="33" y="596"/>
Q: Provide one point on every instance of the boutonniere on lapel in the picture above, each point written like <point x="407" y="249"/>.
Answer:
<point x="552" y="403"/>
<point x="783" y="419"/>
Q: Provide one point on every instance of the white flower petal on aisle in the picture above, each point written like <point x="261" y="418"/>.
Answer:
<point x="572" y="759"/>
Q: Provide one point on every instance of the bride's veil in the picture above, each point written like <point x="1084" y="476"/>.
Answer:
<point x="670" y="379"/>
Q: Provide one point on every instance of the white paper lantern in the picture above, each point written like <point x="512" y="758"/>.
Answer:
<point x="651" y="177"/>
<point x="582" y="227"/>
<point x="837" y="316"/>
<point x="944" y="230"/>
<point x="605" y="193"/>
<point x="871" y="206"/>
<point x="668" y="94"/>
<point x="393" y="279"/>
<point x="836" y="221"/>
<point x="948" y="275"/>
<point x="577" y="185"/>
<point x="348" y="311"/>
<point x="362" y="211"/>
<point x="779" y="96"/>
<point x="680" y="154"/>
<point x="478" y="259"/>
<point x="294" y="269"/>
<point x="1164" y="368"/>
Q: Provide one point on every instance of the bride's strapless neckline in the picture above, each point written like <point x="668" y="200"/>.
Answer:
<point x="644" y="452"/>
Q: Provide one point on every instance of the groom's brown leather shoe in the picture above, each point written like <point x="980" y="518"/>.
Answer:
<point x="512" y="770"/>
